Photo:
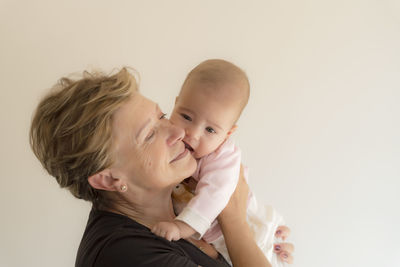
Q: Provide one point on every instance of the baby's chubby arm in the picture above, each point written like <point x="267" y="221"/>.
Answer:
<point x="174" y="230"/>
<point x="217" y="179"/>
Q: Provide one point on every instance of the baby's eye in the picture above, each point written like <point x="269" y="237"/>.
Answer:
<point x="186" y="117"/>
<point x="163" y="116"/>
<point x="210" y="130"/>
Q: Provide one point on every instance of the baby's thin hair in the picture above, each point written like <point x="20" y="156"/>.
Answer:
<point x="219" y="72"/>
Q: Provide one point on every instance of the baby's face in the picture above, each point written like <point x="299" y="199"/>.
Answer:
<point x="207" y="119"/>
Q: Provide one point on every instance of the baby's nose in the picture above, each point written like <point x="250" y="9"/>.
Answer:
<point x="192" y="133"/>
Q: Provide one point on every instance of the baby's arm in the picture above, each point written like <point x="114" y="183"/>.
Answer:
<point x="218" y="176"/>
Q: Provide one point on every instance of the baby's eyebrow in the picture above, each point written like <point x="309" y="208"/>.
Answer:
<point x="188" y="110"/>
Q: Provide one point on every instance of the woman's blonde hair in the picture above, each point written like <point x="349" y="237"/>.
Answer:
<point x="71" y="131"/>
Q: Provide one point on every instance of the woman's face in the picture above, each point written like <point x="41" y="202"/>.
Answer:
<point x="149" y="151"/>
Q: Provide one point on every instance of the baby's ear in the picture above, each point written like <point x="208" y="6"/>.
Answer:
<point x="232" y="130"/>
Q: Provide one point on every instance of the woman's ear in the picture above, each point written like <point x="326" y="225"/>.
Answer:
<point x="104" y="181"/>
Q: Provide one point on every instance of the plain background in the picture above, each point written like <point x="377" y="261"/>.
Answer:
<point x="320" y="133"/>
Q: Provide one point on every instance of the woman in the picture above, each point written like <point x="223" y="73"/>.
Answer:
<point x="105" y="142"/>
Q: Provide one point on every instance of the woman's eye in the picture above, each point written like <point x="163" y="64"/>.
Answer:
<point x="210" y="130"/>
<point x="186" y="117"/>
<point x="150" y="135"/>
<point x="153" y="132"/>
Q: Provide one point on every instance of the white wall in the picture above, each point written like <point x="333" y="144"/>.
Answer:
<point x="320" y="133"/>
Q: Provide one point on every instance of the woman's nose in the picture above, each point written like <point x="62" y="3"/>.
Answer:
<point x="175" y="134"/>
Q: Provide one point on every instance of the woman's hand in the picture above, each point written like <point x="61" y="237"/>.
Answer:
<point x="284" y="250"/>
<point x="237" y="205"/>
<point x="239" y="240"/>
<point x="238" y="236"/>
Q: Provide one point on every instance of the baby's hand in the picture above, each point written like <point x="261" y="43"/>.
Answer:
<point x="168" y="230"/>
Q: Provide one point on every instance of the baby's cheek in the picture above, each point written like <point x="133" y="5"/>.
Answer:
<point x="203" y="149"/>
<point x="198" y="153"/>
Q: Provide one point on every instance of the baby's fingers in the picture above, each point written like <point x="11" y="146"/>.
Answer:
<point x="154" y="230"/>
<point x="172" y="236"/>
<point x="168" y="236"/>
<point x="157" y="230"/>
<point x="282" y="232"/>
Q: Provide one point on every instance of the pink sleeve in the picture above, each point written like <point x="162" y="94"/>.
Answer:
<point x="218" y="176"/>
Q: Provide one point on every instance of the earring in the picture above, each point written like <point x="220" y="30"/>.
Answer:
<point x="123" y="188"/>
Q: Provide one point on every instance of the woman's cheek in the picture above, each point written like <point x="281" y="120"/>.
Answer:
<point x="153" y="154"/>
<point x="146" y="159"/>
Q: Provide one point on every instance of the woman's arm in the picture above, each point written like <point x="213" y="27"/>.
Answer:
<point x="239" y="240"/>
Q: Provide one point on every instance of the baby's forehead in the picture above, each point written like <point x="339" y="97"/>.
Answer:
<point x="227" y="93"/>
<point x="219" y="80"/>
<point x="225" y="104"/>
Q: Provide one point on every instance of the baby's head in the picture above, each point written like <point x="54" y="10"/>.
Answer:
<point x="209" y="104"/>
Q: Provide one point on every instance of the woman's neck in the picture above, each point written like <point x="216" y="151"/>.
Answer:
<point x="147" y="209"/>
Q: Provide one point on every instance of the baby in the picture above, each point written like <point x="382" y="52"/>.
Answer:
<point x="208" y="106"/>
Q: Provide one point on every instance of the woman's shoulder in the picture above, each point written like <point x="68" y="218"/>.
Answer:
<point x="115" y="240"/>
<point x="106" y="227"/>
<point x="111" y="225"/>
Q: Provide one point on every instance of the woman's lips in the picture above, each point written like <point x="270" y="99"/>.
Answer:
<point x="181" y="155"/>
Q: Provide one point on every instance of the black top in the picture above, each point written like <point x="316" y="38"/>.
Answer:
<point x="115" y="240"/>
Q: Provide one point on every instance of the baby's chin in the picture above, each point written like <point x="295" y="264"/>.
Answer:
<point x="195" y="155"/>
<point x="198" y="155"/>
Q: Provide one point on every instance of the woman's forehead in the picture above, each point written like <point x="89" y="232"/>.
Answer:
<point x="135" y="107"/>
<point x="134" y="114"/>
